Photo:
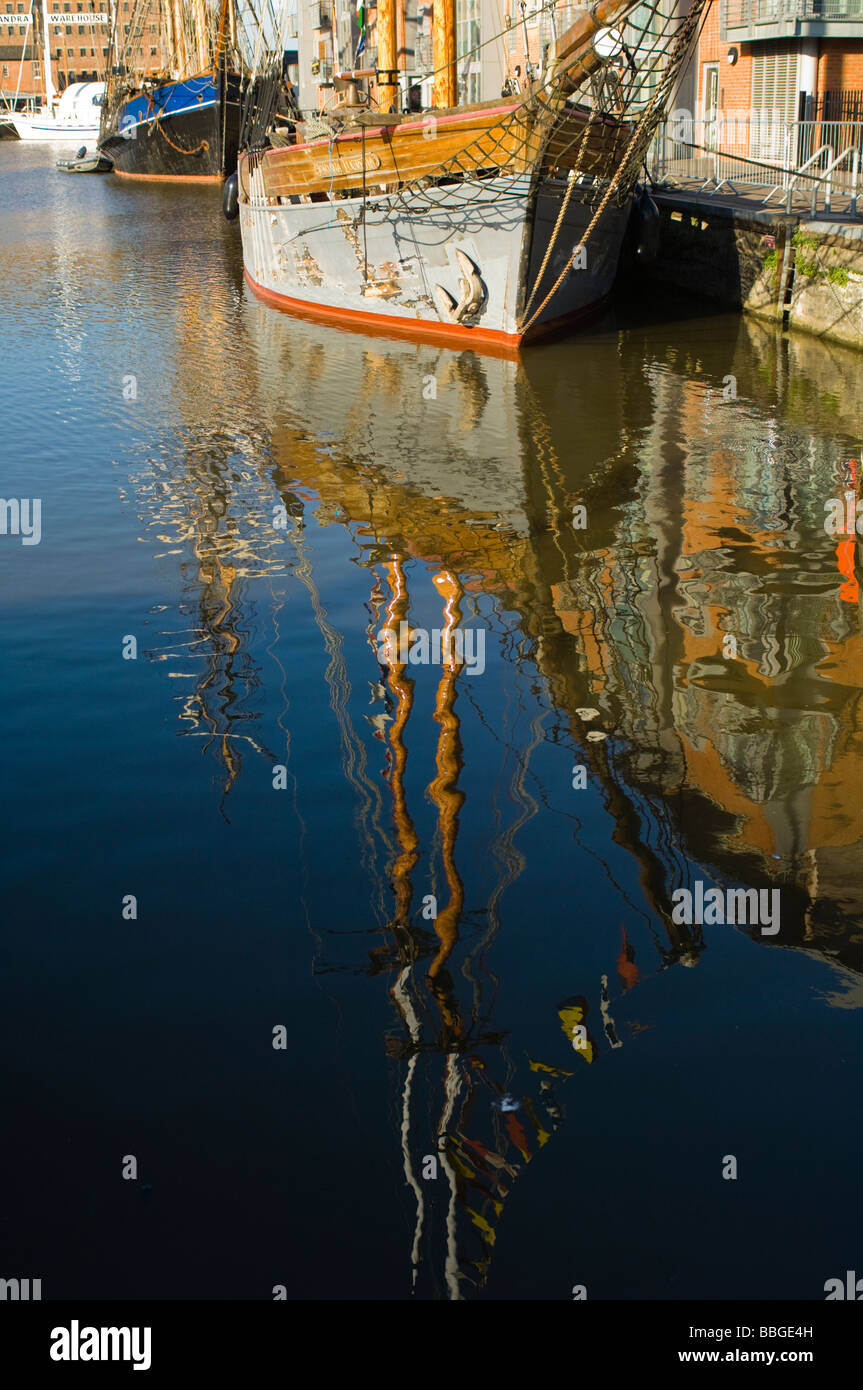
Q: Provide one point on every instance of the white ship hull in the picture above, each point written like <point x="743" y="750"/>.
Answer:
<point x="45" y="128"/>
<point x="386" y="270"/>
<point x="71" y="119"/>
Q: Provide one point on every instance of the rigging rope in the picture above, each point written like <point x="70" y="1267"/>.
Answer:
<point x="648" y="121"/>
<point x="593" y="221"/>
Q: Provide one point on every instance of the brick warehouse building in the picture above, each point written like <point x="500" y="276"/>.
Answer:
<point x="798" y="59"/>
<point x="79" y="51"/>
<point x="18" y="57"/>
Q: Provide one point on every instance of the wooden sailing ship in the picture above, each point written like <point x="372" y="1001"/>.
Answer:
<point x="179" y="120"/>
<point x="492" y="222"/>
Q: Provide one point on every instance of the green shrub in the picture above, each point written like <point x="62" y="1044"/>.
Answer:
<point x="838" y="275"/>
<point x="803" y="264"/>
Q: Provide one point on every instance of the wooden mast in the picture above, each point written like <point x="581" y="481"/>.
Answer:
<point x="202" y="42"/>
<point x="179" y="56"/>
<point x="50" y="89"/>
<point x="443" y="53"/>
<point x="223" y="25"/>
<point x="388" y="92"/>
<point x="171" y="37"/>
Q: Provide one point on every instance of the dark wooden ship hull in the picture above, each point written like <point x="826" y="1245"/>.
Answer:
<point x="186" y="130"/>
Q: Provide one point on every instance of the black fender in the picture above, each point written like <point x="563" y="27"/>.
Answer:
<point x="647" y="226"/>
<point x="231" y="198"/>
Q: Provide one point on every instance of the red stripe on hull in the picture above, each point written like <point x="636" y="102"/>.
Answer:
<point x="388" y="325"/>
<point x="464" y="117"/>
<point x="170" y="178"/>
<point x="492" y="341"/>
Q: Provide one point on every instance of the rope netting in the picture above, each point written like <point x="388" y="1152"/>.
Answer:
<point x="594" y="127"/>
<point x="589" y="126"/>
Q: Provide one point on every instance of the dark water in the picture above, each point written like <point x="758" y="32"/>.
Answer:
<point x="428" y="1128"/>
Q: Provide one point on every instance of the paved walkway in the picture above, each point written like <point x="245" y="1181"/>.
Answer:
<point x="748" y="202"/>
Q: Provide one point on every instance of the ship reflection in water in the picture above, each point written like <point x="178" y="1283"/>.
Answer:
<point x="538" y="815"/>
<point x="408" y="1010"/>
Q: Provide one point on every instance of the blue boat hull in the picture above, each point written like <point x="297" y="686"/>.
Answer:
<point x="186" y="130"/>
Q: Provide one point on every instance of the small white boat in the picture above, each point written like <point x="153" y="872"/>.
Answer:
<point x="84" y="163"/>
<point x="72" y="117"/>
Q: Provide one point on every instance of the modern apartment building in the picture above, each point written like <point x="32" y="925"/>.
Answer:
<point x="798" y="60"/>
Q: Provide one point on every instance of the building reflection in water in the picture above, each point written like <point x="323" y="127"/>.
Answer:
<point x="456" y="478"/>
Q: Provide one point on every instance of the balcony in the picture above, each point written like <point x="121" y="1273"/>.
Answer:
<point x="746" y="21"/>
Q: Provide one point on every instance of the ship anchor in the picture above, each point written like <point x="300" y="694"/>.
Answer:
<point x="471" y="293"/>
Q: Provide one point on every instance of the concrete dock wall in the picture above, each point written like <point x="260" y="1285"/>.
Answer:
<point x="802" y="274"/>
<point x="827" y="291"/>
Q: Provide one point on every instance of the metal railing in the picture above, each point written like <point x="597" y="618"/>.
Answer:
<point x="784" y="159"/>
<point x="737" y="14"/>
